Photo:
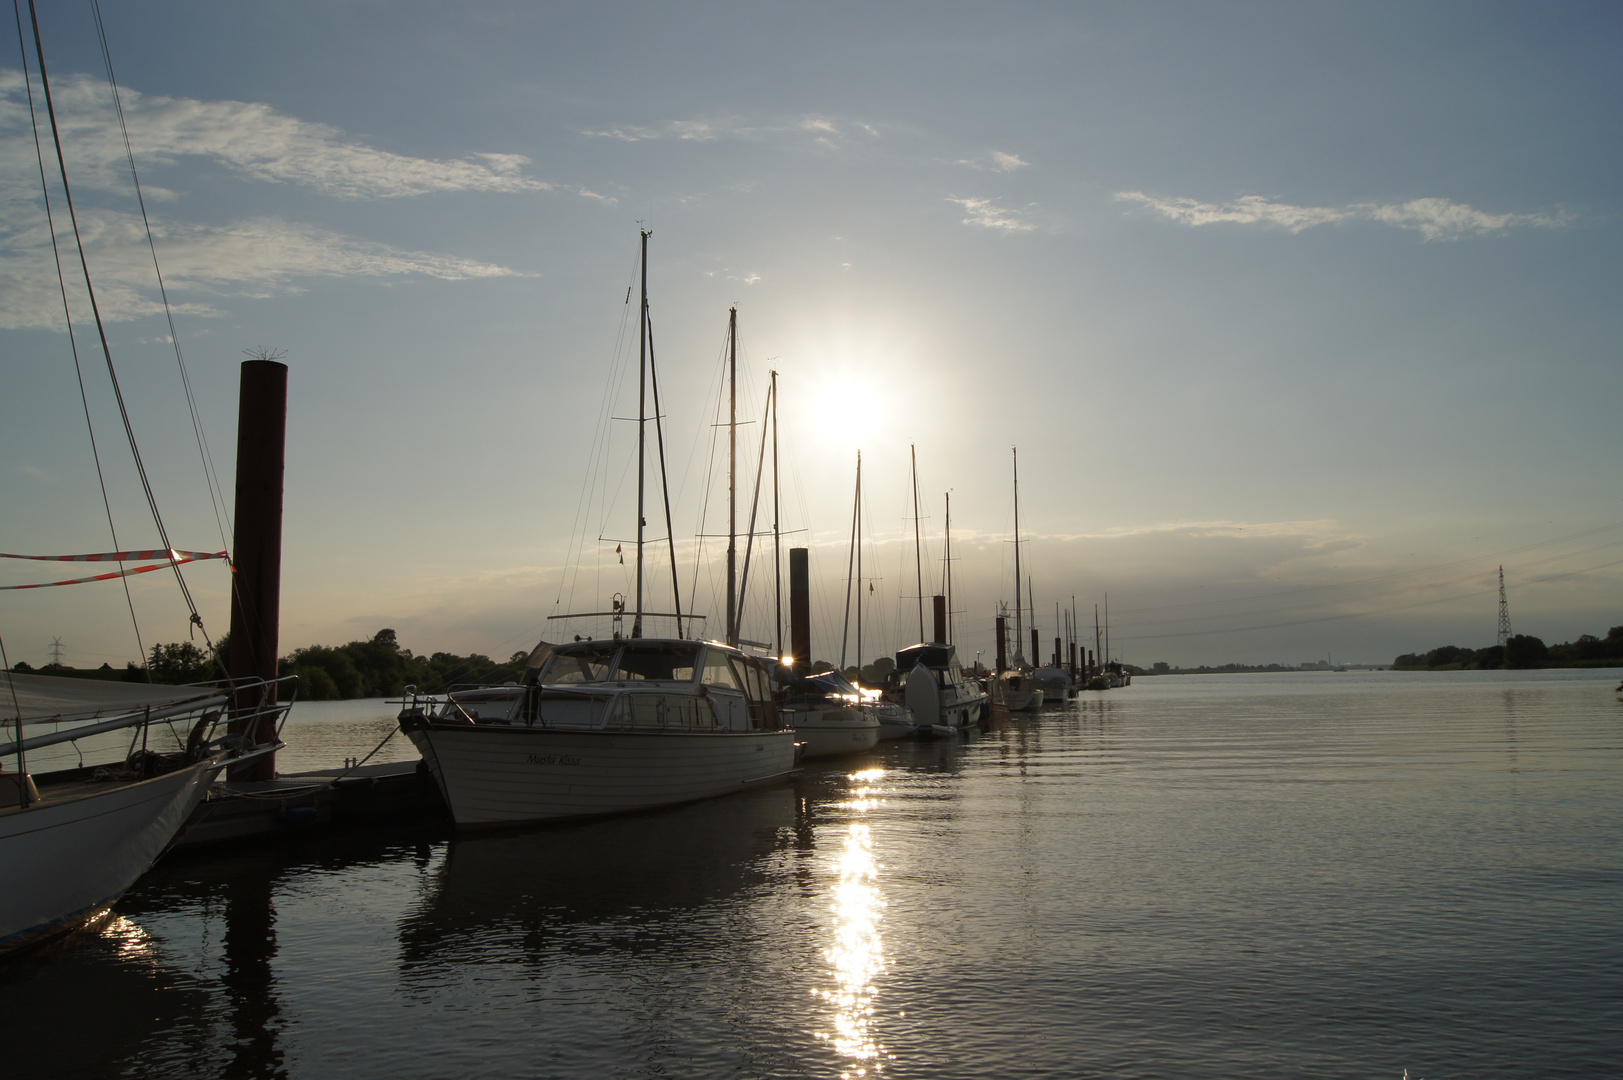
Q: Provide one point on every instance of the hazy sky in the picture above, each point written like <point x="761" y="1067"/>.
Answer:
<point x="1303" y="316"/>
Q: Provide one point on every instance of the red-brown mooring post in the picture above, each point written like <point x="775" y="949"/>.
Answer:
<point x="1002" y="644"/>
<point x="1036" y="657"/>
<point x="800" y="610"/>
<point x="938" y="608"/>
<point x="256" y="580"/>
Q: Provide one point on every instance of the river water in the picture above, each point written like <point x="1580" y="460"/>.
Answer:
<point x="1299" y="875"/>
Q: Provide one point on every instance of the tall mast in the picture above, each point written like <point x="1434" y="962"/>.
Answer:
<point x="850" y="579"/>
<point x="664" y="476"/>
<point x="732" y="477"/>
<point x="1098" y="653"/>
<point x="642" y="424"/>
<point x="1107" y="626"/>
<point x="1019" y="624"/>
<point x="947" y="558"/>
<point x="918" y="558"/>
<point x="777" y="555"/>
<point x="862" y="585"/>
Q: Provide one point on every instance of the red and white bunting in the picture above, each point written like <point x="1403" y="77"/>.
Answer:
<point x="180" y="558"/>
<point x="124" y="556"/>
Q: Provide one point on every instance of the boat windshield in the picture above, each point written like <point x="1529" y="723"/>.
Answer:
<point x="666" y="661"/>
<point x="582" y="662"/>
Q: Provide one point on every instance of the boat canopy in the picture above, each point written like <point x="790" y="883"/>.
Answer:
<point x="41" y="699"/>
<point x="932" y="654"/>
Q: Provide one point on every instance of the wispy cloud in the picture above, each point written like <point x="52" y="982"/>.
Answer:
<point x="987" y="214"/>
<point x="996" y="161"/>
<point x="1432" y="218"/>
<point x="823" y="130"/>
<point x="252" y="139"/>
<point x="250" y="259"/>
<point x="258" y="257"/>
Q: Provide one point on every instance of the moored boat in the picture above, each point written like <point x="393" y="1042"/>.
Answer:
<point x="605" y="727"/>
<point x="829" y="717"/>
<point x="72" y="841"/>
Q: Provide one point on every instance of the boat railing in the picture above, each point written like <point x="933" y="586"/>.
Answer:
<point x="257" y="700"/>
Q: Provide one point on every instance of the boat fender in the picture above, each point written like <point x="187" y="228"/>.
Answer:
<point x="299" y="815"/>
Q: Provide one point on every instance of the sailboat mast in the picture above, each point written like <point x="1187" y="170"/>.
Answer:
<point x="1019" y="607"/>
<point x="642" y="424"/>
<point x="1098" y="653"/>
<point x="947" y="558"/>
<point x="777" y="554"/>
<point x="1107" y="626"/>
<point x="918" y="558"/>
<point x="850" y="579"/>
<point x="861" y="584"/>
<point x="732" y="477"/>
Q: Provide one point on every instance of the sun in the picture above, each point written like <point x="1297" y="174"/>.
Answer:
<point x="846" y="411"/>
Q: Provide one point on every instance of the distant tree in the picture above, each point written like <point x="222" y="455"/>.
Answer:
<point x="1162" y="667"/>
<point x="179" y="662"/>
<point x="1490" y="658"/>
<point x="1523" y="651"/>
<point x="21" y="666"/>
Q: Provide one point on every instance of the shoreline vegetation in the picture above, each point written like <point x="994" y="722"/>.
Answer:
<point x="382" y="667"/>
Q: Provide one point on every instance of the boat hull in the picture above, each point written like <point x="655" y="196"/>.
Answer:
<point x="833" y="732"/>
<point x="496" y="775"/>
<point x="65" y="860"/>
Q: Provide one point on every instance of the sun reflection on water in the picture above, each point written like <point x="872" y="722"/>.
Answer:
<point x="856" y="956"/>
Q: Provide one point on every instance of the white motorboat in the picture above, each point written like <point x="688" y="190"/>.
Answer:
<point x="829" y="717"/>
<point x="72" y="841"/>
<point x="1016" y="690"/>
<point x="936" y="689"/>
<point x="606" y="727"/>
<point x="895" y="722"/>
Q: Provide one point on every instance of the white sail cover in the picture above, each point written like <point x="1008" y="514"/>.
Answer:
<point x="49" y="698"/>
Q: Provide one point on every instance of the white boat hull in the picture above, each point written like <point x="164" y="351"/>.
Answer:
<point x="494" y="775"/>
<point x="64" y="860"/>
<point x="832" y="732"/>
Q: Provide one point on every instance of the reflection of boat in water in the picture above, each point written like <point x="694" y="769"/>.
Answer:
<point x="606" y="727"/>
<point x="829" y="717"/>
<point x="74" y="840"/>
<point x="495" y="892"/>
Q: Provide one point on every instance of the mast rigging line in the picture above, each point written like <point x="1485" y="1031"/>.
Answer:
<point x="222" y="516"/>
<point x="196" y="618"/>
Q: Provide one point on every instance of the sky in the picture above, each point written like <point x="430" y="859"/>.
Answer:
<point x="1302" y="316"/>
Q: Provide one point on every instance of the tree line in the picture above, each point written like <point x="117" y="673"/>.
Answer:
<point x="1520" y="651"/>
<point x="380" y="667"/>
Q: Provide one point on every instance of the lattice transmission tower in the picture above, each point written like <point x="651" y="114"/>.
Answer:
<point x="1504" y="611"/>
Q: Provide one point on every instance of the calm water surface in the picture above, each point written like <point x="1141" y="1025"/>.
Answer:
<point x="1315" y="875"/>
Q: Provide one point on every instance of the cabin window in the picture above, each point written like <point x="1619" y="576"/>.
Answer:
<point x="754" y="680"/>
<point x="662" y="711"/>
<point x="665" y="662"/>
<point x="718" y="671"/>
<point x="580" y="664"/>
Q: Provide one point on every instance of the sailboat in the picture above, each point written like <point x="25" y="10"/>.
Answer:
<point x="73" y="840"/>
<point x="1015" y="687"/>
<point x="929" y="678"/>
<point x="1052" y="678"/>
<point x="627" y="723"/>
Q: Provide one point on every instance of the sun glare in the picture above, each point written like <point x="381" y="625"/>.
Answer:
<point x="846" y="411"/>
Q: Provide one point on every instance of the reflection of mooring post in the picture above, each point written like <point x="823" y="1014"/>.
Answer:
<point x="799" y="610"/>
<point x="257" y="549"/>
